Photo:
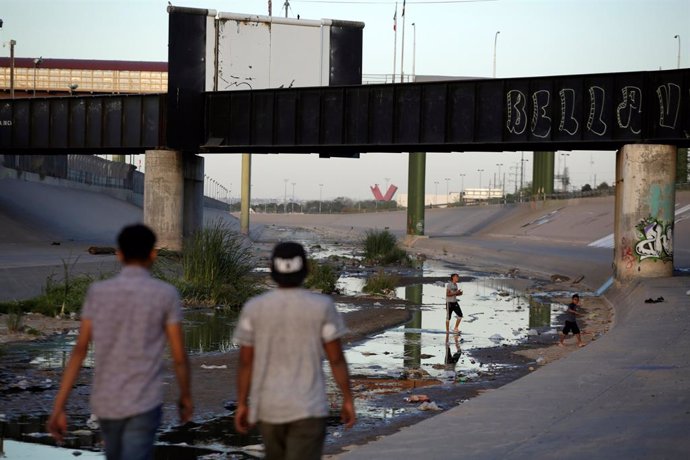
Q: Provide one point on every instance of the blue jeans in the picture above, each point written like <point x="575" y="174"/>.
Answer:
<point x="131" y="438"/>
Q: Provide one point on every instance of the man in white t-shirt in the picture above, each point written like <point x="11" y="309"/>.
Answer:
<point x="452" y="305"/>
<point x="283" y="336"/>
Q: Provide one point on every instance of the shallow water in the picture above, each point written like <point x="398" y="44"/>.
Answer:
<point x="494" y="315"/>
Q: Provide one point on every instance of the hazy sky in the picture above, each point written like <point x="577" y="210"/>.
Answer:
<point x="537" y="37"/>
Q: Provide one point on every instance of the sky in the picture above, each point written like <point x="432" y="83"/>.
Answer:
<point x="454" y="38"/>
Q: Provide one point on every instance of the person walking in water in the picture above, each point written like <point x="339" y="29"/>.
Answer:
<point x="283" y="335"/>
<point x="452" y="305"/>
<point x="128" y="318"/>
<point x="571" y="322"/>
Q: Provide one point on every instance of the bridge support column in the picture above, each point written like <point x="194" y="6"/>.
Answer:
<point x="416" y="171"/>
<point x="542" y="173"/>
<point x="682" y="166"/>
<point x="193" y="218"/>
<point x="164" y="196"/>
<point x="644" y="214"/>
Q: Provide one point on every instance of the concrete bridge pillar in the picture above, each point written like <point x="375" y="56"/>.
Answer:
<point x="164" y="196"/>
<point x="644" y="214"/>
<point x="193" y="218"/>
<point x="542" y="173"/>
<point x="416" y="170"/>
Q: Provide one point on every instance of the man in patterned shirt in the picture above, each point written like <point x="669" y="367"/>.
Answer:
<point x="128" y="318"/>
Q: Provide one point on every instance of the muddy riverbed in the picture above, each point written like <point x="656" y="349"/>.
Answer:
<point x="397" y="349"/>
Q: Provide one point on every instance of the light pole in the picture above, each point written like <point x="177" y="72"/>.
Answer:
<point x="436" y="193"/>
<point x="499" y="175"/>
<point x="292" y="205"/>
<point x="285" y="196"/>
<point x="480" y="171"/>
<point x="12" y="45"/>
<point x="564" y="177"/>
<point x="414" y="51"/>
<point x="495" y="40"/>
<point x="462" y="186"/>
<point x="387" y="179"/>
<point x="447" y="179"/>
<point x="37" y="62"/>
<point x="320" y="196"/>
<point x="678" y="37"/>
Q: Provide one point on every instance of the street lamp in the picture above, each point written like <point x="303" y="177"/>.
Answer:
<point x="462" y="185"/>
<point x="414" y="51"/>
<point x="495" y="40"/>
<point x="678" y="37"/>
<point x="292" y="205"/>
<point x="447" y="179"/>
<point x="436" y="194"/>
<point x="37" y="62"/>
<point x="480" y="171"/>
<point x="285" y="196"/>
<point x="320" y="196"/>
<point x="564" y="177"/>
<point x="499" y="175"/>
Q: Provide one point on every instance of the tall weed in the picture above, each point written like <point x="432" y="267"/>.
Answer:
<point x="381" y="247"/>
<point x="216" y="268"/>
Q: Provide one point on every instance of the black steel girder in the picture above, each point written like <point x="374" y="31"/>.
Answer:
<point x="599" y="111"/>
<point x="92" y="124"/>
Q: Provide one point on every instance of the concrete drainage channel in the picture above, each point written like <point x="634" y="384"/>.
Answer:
<point x="413" y="361"/>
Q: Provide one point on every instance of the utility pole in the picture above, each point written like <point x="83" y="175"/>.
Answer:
<point x="286" y="5"/>
<point x="12" y="44"/>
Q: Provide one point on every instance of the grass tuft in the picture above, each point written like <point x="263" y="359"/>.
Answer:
<point x="322" y="276"/>
<point x="381" y="283"/>
<point x="381" y="247"/>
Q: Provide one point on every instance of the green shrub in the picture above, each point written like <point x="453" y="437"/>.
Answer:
<point x="322" y="276"/>
<point x="380" y="283"/>
<point x="59" y="297"/>
<point x="15" y="319"/>
<point x="381" y="247"/>
<point x="216" y="268"/>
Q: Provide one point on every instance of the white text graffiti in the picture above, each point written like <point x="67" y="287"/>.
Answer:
<point x="656" y="240"/>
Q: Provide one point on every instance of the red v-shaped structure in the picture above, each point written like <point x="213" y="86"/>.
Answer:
<point x="389" y="193"/>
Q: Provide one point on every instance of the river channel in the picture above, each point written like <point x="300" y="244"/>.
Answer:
<point x="448" y="369"/>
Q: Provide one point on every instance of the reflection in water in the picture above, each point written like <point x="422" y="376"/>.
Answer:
<point x="209" y="331"/>
<point x="539" y="313"/>
<point x="413" y="340"/>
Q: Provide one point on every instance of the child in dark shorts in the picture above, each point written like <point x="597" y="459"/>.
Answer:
<point x="571" y="322"/>
<point x="452" y="305"/>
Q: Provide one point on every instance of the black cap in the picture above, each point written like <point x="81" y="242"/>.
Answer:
<point x="289" y="264"/>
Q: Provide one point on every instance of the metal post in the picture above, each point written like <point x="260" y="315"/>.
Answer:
<point x="678" y="37"/>
<point x="320" y="196"/>
<point x="12" y="44"/>
<point x="402" y="47"/>
<point x="285" y="196"/>
<point x="495" y="40"/>
<point x="414" y="51"/>
<point x="292" y="204"/>
<point x="245" y="192"/>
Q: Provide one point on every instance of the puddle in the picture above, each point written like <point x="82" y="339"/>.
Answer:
<point x="28" y="451"/>
<point x="209" y="331"/>
<point x="494" y="315"/>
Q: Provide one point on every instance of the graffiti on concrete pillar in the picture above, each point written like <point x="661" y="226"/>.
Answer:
<point x="655" y="240"/>
<point x="626" y="254"/>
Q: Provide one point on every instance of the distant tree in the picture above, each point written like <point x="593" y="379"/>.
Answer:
<point x="603" y="186"/>
<point x="586" y="188"/>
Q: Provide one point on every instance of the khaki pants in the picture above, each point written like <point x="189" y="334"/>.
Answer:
<point x="298" y="440"/>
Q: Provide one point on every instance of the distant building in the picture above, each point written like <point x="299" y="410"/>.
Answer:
<point x="60" y="77"/>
